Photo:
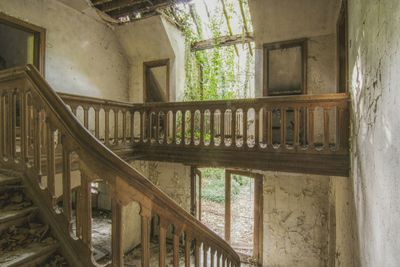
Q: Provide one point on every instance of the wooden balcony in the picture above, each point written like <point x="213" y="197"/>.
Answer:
<point x="304" y="134"/>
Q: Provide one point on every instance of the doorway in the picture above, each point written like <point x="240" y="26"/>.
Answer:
<point x="21" y="43"/>
<point x="156" y="81"/>
<point x="230" y="202"/>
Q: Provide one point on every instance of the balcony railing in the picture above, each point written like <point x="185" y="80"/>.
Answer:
<point x="306" y="133"/>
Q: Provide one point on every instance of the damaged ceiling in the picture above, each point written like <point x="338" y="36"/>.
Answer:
<point x="128" y="10"/>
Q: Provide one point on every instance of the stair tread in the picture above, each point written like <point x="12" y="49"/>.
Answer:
<point x="8" y="179"/>
<point x="9" y="215"/>
<point x="24" y="255"/>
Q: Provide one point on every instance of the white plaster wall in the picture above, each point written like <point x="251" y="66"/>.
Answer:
<point x="295" y="220"/>
<point x="344" y="232"/>
<point x="374" y="69"/>
<point x="282" y="20"/>
<point x="321" y="64"/>
<point x="278" y="20"/>
<point x="83" y="55"/>
<point x="172" y="178"/>
<point x="152" y="39"/>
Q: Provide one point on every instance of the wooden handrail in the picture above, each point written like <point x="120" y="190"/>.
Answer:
<point x="48" y="127"/>
<point x="315" y="124"/>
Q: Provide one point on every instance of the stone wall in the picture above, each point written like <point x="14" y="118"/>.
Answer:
<point x="83" y="55"/>
<point x="374" y="71"/>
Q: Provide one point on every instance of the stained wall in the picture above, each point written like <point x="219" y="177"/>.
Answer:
<point x="374" y="71"/>
<point x="83" y="55"/>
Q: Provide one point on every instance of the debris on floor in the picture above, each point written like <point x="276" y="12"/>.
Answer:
<point x="15" y="238"/>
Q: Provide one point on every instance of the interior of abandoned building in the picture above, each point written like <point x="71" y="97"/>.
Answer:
<point x="199" y="133"/>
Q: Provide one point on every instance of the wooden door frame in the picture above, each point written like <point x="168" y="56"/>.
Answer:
<point x="343" y="17"/>
<point x="39" y="35"/>
<point x="151" y="64"/>
<point x="193" y="203"/>
<point x="258" y="205"/>
<point x="258" y="209"/>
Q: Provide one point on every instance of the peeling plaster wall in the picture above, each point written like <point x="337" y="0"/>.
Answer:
<point x="343" y="231"/>
<point x="172" y="178"/>
<point x="83" y="55"/>
<point x="295" y="220"/>
<point x="321" y="64"/>
<point x="153" y="39"/>
<point x="276" y="21"/>
<point x="374" y="71"/>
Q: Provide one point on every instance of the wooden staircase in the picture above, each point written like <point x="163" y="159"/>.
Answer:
<point x="24" y="239"/>
<point x="58" y="160"/>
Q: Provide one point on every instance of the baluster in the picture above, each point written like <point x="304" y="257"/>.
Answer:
<point x="145" y="214"/>
<point x="197" y="253"/>
<point x="257" y="128"/>
<point x="67" y="204"/>
<point x="116" y="111"/>
<point x="212" y="130"/>
<point x="50" y="162"/>
<point x="13" y="119"/>
<point x="222" y="127"/>
<point x="37" y="152"/>
<point x="24" y="134"/>
<point x="177" y="232"/>
<point x="142" y="125"/>
<point x="107" y="127"/>
<point x="2" y="126"/>
<point x="97" y="123"/>
<point x="157" y="133"/>
<point x="124" y="127"/>
<point x="188" y="242"/>
<point x="173" y="127"/>
<point x="245" y="125"/>
<point x="191" y="127"/>
<point x="201" y="141"/>
<point x="86" y="117"/>
<point x="233" y="128"/>
<point x="212" y="257"/>
<point x="326" y="128"/>
<point x="223" y="260"/>
<point x="86" y="209"/>
<point x="183" y="127"/>
<point x="283" y="128"/>
<point x="132" y="127"/>
<point x="310" y="127"/>
<point x="166" y="127"/>
<point x="205" y="255"/>
<point x="117" y="234"/>
<point x="296" y="132"/>
<point x="162" y="242"/>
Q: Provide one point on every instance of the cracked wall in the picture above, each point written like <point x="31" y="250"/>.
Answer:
<point x="295" y="220"/>
<point x="374" y="71"/>
<point x="83" y="55"/>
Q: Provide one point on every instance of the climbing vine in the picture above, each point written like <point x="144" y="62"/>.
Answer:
<point x="220" y="72"/>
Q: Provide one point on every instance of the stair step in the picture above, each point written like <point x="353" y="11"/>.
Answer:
<point x="15" y="217"/>
<point x="8" y="179"/>
<point x="32" y="255"/>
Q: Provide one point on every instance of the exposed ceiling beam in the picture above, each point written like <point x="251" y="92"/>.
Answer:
<point x="109" y="6"/>
<point x="99" y="2"/>
<point x="222" y="41"/>
<point x="146" y="6"/>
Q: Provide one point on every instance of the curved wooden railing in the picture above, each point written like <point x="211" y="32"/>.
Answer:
<point x="37" y="128"/>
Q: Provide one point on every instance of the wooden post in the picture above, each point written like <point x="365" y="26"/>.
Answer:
<point x="117" y="235"/>
<point x="227" y="206"/>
